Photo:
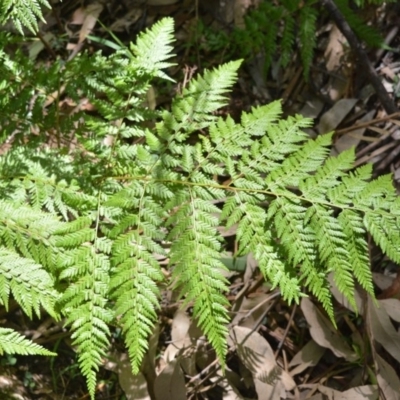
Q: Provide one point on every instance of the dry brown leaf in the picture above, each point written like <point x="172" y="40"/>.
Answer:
<point x="381" y="280"/>
<point x="78" y="16"/>
<point x="335" y="115"/>
<point x="317" y="396"/>
<point x="382" y="329"/>
<point x="369" y="392"/>
<point x="251" y="265"/>
<point x="312" y="107"/>
<point x="388" y="381"/>
<point x="392" y="307"/>
<point x="308" y="356"/>
<point x="257" y="356"/>
<point x="393" y="291"/>
<point x="134" y="386"/>
<point x="266" y="391"/>
<point x="334" y="50"/>
<point x="240" y="8"/>
<point x="334" y="56"/>
<point x="352" y="139"/>
<point x="252" y="310"/>
<point x="124" y="24"/>
<point x="170" y="383"/>
<point x="87" y="17"/>
<point x="179" y="334"/>
<point x="92" y="13"/>
<point x="324" y="333"/>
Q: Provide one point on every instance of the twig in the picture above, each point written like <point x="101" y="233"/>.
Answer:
<point x="286" y="331"/>
<point x="47" y="45"/>
<point x="366" y="124"/>
<point x="387" y="103"/>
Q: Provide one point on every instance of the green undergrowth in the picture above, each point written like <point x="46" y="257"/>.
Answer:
<point x="278" y="30"/>
<point x="89" y="201"/>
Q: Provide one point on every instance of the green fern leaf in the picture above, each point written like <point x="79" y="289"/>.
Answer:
<point x="153" y="47"/>
<point x="307" y="33"/>
<point x="31" y="286"/>
<point x="12" y="342"/>
<point x="23" y="13"/>
<point x="195" y="252"/>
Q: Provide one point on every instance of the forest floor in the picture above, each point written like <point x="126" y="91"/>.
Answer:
<point x="303" y="355"/>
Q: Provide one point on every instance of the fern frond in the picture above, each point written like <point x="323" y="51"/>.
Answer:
<point x="356" y="244"/>
<point x="327" y="177"/>
<point x="195" y="252"/>
<point x="204" y="95"/>
<point x="331" y="242"/>
<point x="300" y="164"/>
<point x="362" y="29"/>
<point x="288" y="39"/>
<point x="86" y="268"/>
<point x="28" y="231"/>
<point x="307" y="34"/>
<point x="136" y="272"/>
<point x="127" y="190"/>
<point x="23" y="13"/>
<point x="153" y="47"/>
<point x="30" y="285"/>
<point x="12" y="342"/>
<point x="255" y="237"/>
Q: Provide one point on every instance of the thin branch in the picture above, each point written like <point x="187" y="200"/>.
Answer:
<point x="387" y="102"/>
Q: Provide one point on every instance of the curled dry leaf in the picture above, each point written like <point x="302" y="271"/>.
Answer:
<point x="324" y="333"/>
<point x="92" y="13"/>
<point x="184" y="335"/>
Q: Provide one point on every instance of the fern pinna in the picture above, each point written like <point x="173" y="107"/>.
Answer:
<point x="87" y="221"/>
